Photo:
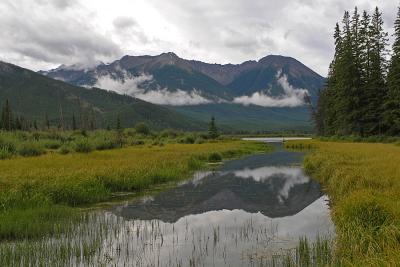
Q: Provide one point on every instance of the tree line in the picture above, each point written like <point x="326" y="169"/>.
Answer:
<point x="362" y="93"/>
<point x="86" y="120"/>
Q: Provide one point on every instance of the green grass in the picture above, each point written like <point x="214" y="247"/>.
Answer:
<point x="36" y="143"/>
<point x="40" y="186"/>
<point x="363" y="183"/>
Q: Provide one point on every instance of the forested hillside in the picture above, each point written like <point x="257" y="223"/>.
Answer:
<point x="30" y="100"/>
<point x="362" y="95"/>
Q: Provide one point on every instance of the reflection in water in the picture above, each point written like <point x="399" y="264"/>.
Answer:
<point x="244" y="214"/>
<point x="249" y="184"/>
<point x="289" y="176"/>
<point x="240" y="215"/>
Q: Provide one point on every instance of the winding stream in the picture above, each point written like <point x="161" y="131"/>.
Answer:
<point x="240" y="215"/>
<point x="248" y="212"/>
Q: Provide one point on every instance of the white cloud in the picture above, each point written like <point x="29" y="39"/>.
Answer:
<point x="131" y="85"/>
<point x="176" y="98"/>
<point x="291" y="176"/>
<point x="292" y="97"/>
<point x="135" y="86"/>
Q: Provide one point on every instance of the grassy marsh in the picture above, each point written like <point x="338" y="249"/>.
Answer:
<point x="363" y="183"/>
<point x="37" y="193"/>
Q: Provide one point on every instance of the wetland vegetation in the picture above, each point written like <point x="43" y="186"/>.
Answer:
<point x="362" y="181"/>
<point x="249" y="211"/>
<point x="37" y="193"/>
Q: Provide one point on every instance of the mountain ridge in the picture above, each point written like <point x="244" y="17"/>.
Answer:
<point x="35" y="96"/>
<point x="213" y="81"/>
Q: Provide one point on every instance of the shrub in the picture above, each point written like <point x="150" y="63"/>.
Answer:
<point x="188" y="139"/>
<point x="8" y="144"/>
<point x="142" y="128"/>
<point x="30" y="149"/>
<point x="137" y="142"/>
<point x="168" y="133"/>
<point x="199" y="140"/>
<point x="51" y="144"/>
<point x="215" y="157"/>
<point x="83" y="146"/>
<point x="5" y="154"/>
<point x="106" y="144"/>
<point x="65" y="149"/>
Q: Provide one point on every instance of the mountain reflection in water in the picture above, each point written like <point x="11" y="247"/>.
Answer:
<point x="270" y="184"/>
<point x="242" y="214"/>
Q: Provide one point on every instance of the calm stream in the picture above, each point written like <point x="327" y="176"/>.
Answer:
<point x="249" y="212"/>
<point x="241" y="214"/>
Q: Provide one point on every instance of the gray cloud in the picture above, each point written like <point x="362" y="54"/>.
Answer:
<point x="124" y="22"/>
<point x="43" y="33"/>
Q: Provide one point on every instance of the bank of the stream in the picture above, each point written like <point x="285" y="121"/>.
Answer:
<point x="362" y="181"/>
<point x="39" y="195"/>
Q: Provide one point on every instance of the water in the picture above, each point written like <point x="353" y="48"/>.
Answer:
<point x="275" y="139"/>
<point x="243" y="214"/>
<point x="249" y="212"/>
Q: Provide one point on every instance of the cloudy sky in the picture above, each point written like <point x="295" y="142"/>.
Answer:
<point x="42" y="34"/>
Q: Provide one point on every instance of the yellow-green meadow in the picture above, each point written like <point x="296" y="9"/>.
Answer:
<point x="363" y="184"/>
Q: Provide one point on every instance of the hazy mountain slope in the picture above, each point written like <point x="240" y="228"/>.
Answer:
<point x="268" y="94"/>
<point x="262" y="76"/>
<point x="165" y="72"/>
<point x="251" y="118"/>
<point x="33" y="95"/>
<point x="212" y="81"/>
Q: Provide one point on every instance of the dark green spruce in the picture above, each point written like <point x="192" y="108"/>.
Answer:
<point x="212" y="129"/>
<point x="361" y="97"/>
<point x="392" y="101"/>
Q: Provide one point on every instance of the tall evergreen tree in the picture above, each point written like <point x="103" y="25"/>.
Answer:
<point x="46" y="121"/>
<point x="6" y="117"/>
<point x="375" y="88"/>
<point x="74" y="127"/>
<point x="325" y="116"/>
<point x="392" y="101"/>
<point x="212" y="129"/>
<point x="346" y="83"/>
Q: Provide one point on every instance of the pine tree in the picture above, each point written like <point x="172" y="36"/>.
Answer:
<point x="365" y="45"/>
<point x="61" y="123"/>
<point x="392" y="101"/>
<point x="325" y="116"/>
<point x="118" y="125"/>
<point x="346" y="83"/>
<point x="375" y="88"/>
<point x="119" y="132"/>
<point x="6" y="117"/>
<point x="18" y="123"/>
<point x="46" y="121"/>
<point x="73" y="122"/>
<point x="212" y="129"/>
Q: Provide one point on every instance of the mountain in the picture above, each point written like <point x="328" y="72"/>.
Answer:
<point x="211" y="80"/>
<point x="271" y="94"/>
<point x="33" y="95"/>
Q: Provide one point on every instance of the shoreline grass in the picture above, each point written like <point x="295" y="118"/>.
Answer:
<point x="48" y="182"/>
<point x="363" y="183"/>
